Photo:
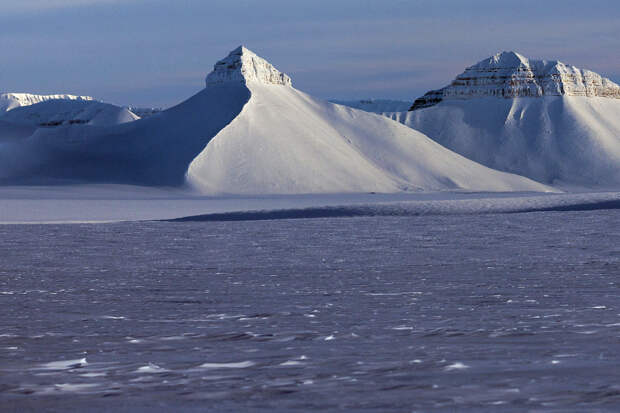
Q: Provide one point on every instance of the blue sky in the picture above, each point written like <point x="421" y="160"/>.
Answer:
<point x="155" y="52"/>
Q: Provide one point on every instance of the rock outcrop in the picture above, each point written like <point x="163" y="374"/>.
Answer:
<point x="242" y="66"/>
<point x="511" y="75"/>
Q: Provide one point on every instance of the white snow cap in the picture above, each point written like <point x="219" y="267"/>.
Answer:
<point x="510" y="75"/>
<point x="242" y="65"/>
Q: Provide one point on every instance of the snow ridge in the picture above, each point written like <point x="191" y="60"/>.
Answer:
<point x="10" y="101"/>
<point x="242" y="66"/>
<point x="509" y="75"/>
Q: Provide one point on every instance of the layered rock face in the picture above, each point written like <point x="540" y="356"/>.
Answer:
<point x="242" y="66"/>
<point x="510" y="75"/>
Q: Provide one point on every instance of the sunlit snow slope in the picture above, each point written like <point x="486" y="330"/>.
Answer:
<point x="551" y="122"/>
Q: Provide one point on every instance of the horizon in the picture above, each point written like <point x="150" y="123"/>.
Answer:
<point x="150" y="53"/>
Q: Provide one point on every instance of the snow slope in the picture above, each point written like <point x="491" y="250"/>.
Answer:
<point x="550" y="122"/>
<point x="11" y="131"/>
<point x="285" y="141"/>
<point x="153" y="151"/>
<point x="9" y="101"/>
<point x="250" y="132"/>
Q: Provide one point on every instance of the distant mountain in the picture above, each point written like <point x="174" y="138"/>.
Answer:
<point x="545" y="120"/>
<point x="21" y="114"/>
<point x="511" y="75"/>
<point x="375" y="105"/>
<point x="250" y="132"/>
<point x="9" y="101"/>
<point x="50" y="113"/>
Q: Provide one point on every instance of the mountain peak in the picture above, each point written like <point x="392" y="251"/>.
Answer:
<point x="511" y="75"/>
<point x="242" y="66"/>
<point x="503" y="59"/>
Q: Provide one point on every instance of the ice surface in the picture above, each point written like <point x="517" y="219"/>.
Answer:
<point x="108" y="203"/>
<point x="64" y="364"/>
<point x="508" y="295"/>
<point x="150" y="369"/>
<point x="237" y="365"/>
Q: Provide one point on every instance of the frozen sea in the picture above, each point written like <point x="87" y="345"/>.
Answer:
<point x="475" y="312"/>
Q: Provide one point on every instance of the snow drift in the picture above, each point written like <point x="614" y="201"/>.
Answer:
<point x="542" y="119"/>
<point x="250" y="131"/>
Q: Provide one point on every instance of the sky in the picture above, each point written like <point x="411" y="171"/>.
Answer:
<point x="157" y="53"/>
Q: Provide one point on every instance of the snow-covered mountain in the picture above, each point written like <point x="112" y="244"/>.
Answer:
<point x="249" y="131"/>
<point x="511" y="75"/>
<point x="9" y="101"/>
<point x="67" y="112"/>
<point x="375" y="105"/>
<point x="285" y="141"/>
<point x="542" y="119"/>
